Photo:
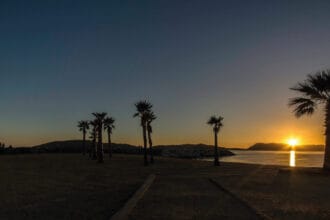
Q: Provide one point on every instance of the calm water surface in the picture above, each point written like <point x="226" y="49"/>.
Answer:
<point x="286" y="158"/>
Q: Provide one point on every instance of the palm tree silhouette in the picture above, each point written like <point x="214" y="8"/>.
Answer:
<point x="83" y="127"/>
<point x="314" y="91"/>
<point x="92" y="152"/>
<point x="150" y="116"/>
<point x="142" y="109"/>
<point x="216" y="123"/>
<point x="108" y="127"/>
<point x="99" y="118"/>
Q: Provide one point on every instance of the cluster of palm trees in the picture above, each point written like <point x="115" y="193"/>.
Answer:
<point x="147" y="116"/>
<point x="100" y="122"/>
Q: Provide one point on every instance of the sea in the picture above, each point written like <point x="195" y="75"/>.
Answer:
<point x="284" y="158"/>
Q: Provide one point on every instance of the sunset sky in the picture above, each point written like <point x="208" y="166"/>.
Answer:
<point x="61" y="60"/>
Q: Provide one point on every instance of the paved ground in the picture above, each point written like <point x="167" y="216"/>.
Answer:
<point x="70" y="186"/>
<point x="174" y="197"/>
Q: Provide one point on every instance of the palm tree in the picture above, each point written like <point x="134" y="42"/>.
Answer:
<point x="150" y="116"/>
<point x="142" y="109"/>
<point x="2" y="148"/>
<point x="216" y="122"/>
<point x="108" y="127"/>
<point x="315" y="91"/>
<point x="92" y="152"/>
<point x="83" y="127"/>
<point x="99" y="118"/>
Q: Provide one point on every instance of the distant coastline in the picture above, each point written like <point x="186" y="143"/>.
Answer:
<point x="179" y="151"/>
<point x="75" y="146"/>
<point x="284" y="147"/>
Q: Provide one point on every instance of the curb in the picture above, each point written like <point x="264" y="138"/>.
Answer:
<point x="242" y="202"/>
<point x="124" y="212"/>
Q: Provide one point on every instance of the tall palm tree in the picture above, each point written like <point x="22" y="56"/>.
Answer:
<point x="109" y="125"/>
<point x="92" y="152"/>
<point x="315" y="91"/>
<point x="83" y="127"/>
<point x="99" y="118"/>
<point x="216" y="123"/>
<point x="142" y="109"/>
<point x="150" y="117"/>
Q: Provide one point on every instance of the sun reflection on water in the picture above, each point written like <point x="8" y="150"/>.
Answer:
<point x="292" y="158"/>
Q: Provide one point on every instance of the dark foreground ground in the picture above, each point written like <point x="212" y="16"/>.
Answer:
<point x="69" y="186"/>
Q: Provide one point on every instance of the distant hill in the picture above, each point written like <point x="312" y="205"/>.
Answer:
<point x="75" y="146"/>
<point x="191" y="151"/>
<point x="285" y="147"/>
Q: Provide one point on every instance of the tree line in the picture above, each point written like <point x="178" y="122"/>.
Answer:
<point x="102" y="122"/>
<point x="145" y="114"/>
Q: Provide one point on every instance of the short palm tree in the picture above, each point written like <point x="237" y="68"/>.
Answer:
<point x="83" y="127"/>
<point x="99" y="118"/>
<point x="109" y="125"/>
<point x="142" y="109"/>
<point x="150" y="117"/>
<point x="92" y="152"/>
<point x="216" y="123"/>
<point x="314" y="91"/>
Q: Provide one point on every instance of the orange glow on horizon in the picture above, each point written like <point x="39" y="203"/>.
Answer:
<point x="292" y="142"/>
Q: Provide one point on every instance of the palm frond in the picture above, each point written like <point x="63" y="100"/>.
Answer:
<point x="99" y="115"/>
<point x="216" y="122"/>
<point x="93" y="123"/>
<point x="150" y="116"/>
<point x="302" y="106"/>
<point x="83" y="125"/>
<point x="316" y="86"/>
<point x="212" y="120"/>
<point x="109" y="124"/>
<point x="320" y="81"/>
<point x="143" y="106"/>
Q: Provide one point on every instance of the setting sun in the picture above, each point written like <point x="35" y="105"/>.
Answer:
<point x="293" y="142"/>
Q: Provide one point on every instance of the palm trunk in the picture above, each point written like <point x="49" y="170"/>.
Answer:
<point x="326" y="164"/>
<point x="216" y="154"/>
<point x="94" y="149"/>
<point x="150" y="147"/>
<point x="94" y="145"/>
<point x="109" y="145"/>
<point x="84" y="143"/>
<point x="100" y="145"/>
<point x="90" y="149"/>
<point x="145" y="145"/>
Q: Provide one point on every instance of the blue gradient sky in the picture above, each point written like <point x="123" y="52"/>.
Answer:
<point x="61" y="60"/>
